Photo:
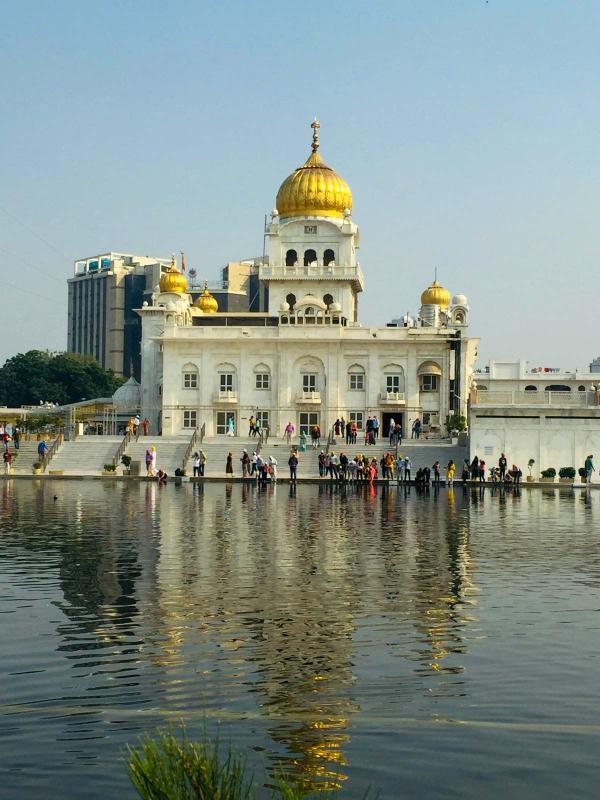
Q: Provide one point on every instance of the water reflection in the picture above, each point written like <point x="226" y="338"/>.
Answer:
<point x="306" y="618"/>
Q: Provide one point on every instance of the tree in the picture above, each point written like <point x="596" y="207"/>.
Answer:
<point x="40" y="376"/>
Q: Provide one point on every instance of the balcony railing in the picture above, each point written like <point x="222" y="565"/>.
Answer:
<point x="308" y="397"/>
<point x="394" y="398"/>
<point x="226" y="396"/>
<point x="516" y="397"/>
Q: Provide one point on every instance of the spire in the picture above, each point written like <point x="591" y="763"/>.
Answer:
<point x="315" y="142"/>
<point x="173" y="264"/>
<point x="182" y="260"/>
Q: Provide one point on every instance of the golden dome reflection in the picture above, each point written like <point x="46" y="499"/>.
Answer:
<point x="314" y="189"/>
<point x="172" y="280"/>
<point x="436" y="295"/>
<point x="206" y="302"/>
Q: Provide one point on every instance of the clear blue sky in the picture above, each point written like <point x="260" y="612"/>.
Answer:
<point x="468" y="131"/>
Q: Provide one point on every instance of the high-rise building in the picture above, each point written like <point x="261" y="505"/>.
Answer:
<point x="103" y="294"/>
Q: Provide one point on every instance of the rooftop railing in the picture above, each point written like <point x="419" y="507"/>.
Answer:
<point x="516" y="397"/>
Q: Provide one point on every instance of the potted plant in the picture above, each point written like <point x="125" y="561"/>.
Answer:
<point x="566" y="474"/>
<point x="126" y="461"/>
<point x="548" y="475"/>
<point x="530" y="464"/>
<point x="109" y="470"/>
<point x="37" y="467"/>
<point x="581" y="473"/>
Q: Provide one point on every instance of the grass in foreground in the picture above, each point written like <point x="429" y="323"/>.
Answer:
<point x="168" y="768"/>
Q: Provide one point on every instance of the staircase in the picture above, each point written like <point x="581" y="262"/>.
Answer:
<point x="170" y="451"/>
<point x="422" y="454"/>
<point x="24" y="457"/>
<point x="86" y="455"/>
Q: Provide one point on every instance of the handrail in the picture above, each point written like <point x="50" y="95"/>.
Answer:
<point x="330" y="439"/>
<point x="121" y="448"/>
<point x="51" y="451"/>
<point x="189" y="448"/>
<point x="202" y="432"/>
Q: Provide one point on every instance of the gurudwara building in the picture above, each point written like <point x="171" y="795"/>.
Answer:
<point x="305" y="358"/>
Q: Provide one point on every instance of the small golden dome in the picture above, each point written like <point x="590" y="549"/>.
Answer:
<point x="314" y="189"/>
<point x="436" y="295"/>
<point x="172" y="280"/>
<point x="206" y="302"/>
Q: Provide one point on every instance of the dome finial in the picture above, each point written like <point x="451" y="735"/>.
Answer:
<point x="315" y="142"/>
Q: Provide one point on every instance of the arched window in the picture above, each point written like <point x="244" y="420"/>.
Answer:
<point x="290" y="299"/>
<point x="531" y="388"/>
<point x="558" y="387"/>
<point x="481" y="387"/>
<point x="581" y="388"/>
<point x="262" y="376"/>
<point x="190" y="376"/>
<point x="356" y="378"/>
<point x="328" y="257"/>
<point x="393" y="375"/>
<point x="309" y="257"/>
<point x="291" y="258"/>
<point x="429" y="376"/>
<point x="327" y="299"/>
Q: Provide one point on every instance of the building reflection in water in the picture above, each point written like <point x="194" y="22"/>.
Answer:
<point x="259" y="588"/>
<point x="290" y="616"/>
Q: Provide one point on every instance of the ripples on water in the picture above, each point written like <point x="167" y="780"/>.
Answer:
<point x="435" y="646"/>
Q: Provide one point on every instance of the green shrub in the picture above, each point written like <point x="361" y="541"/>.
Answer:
<point x="171" y="768"/>
<point x="109" y="468"/>
<point x="126" y="461"/>
<point x="549" y="473"/>
<point x="566" y="472"/>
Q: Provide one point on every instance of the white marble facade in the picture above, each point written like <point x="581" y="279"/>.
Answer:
<point x="307" y="359"/>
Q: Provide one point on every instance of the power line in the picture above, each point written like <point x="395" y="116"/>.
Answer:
<point x="30" y="264"/>
<point x="28" y="291"/>
<point x="35" y="233"/>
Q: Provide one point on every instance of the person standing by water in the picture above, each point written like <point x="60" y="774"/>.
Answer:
<point x="202" y="462"/>
<point x="245" y="459"/>
<point x="273" y="468"/>
<point x="149" y="461"/>
<point x="17" y="436"/>
<point x="293" y="465"/>
<point x="450" y="470"/>
<point x="466" y="471"/>
<point x="8" y="457"/>
<point x="153" y="461"/>
<point x="196" y="465"/>
<point x="407" y="469"/>
<point x="475" y="468"/>
<point x="589" y="468"/>
<point x="229" y="465"/>
<point x="502" y="465"/>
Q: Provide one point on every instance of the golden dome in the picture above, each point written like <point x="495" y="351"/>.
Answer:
<point x="436" y="295"/>
<point x="314" y="189"/>
<point x="206" y="302"/>
<point x="172" y="280"/>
